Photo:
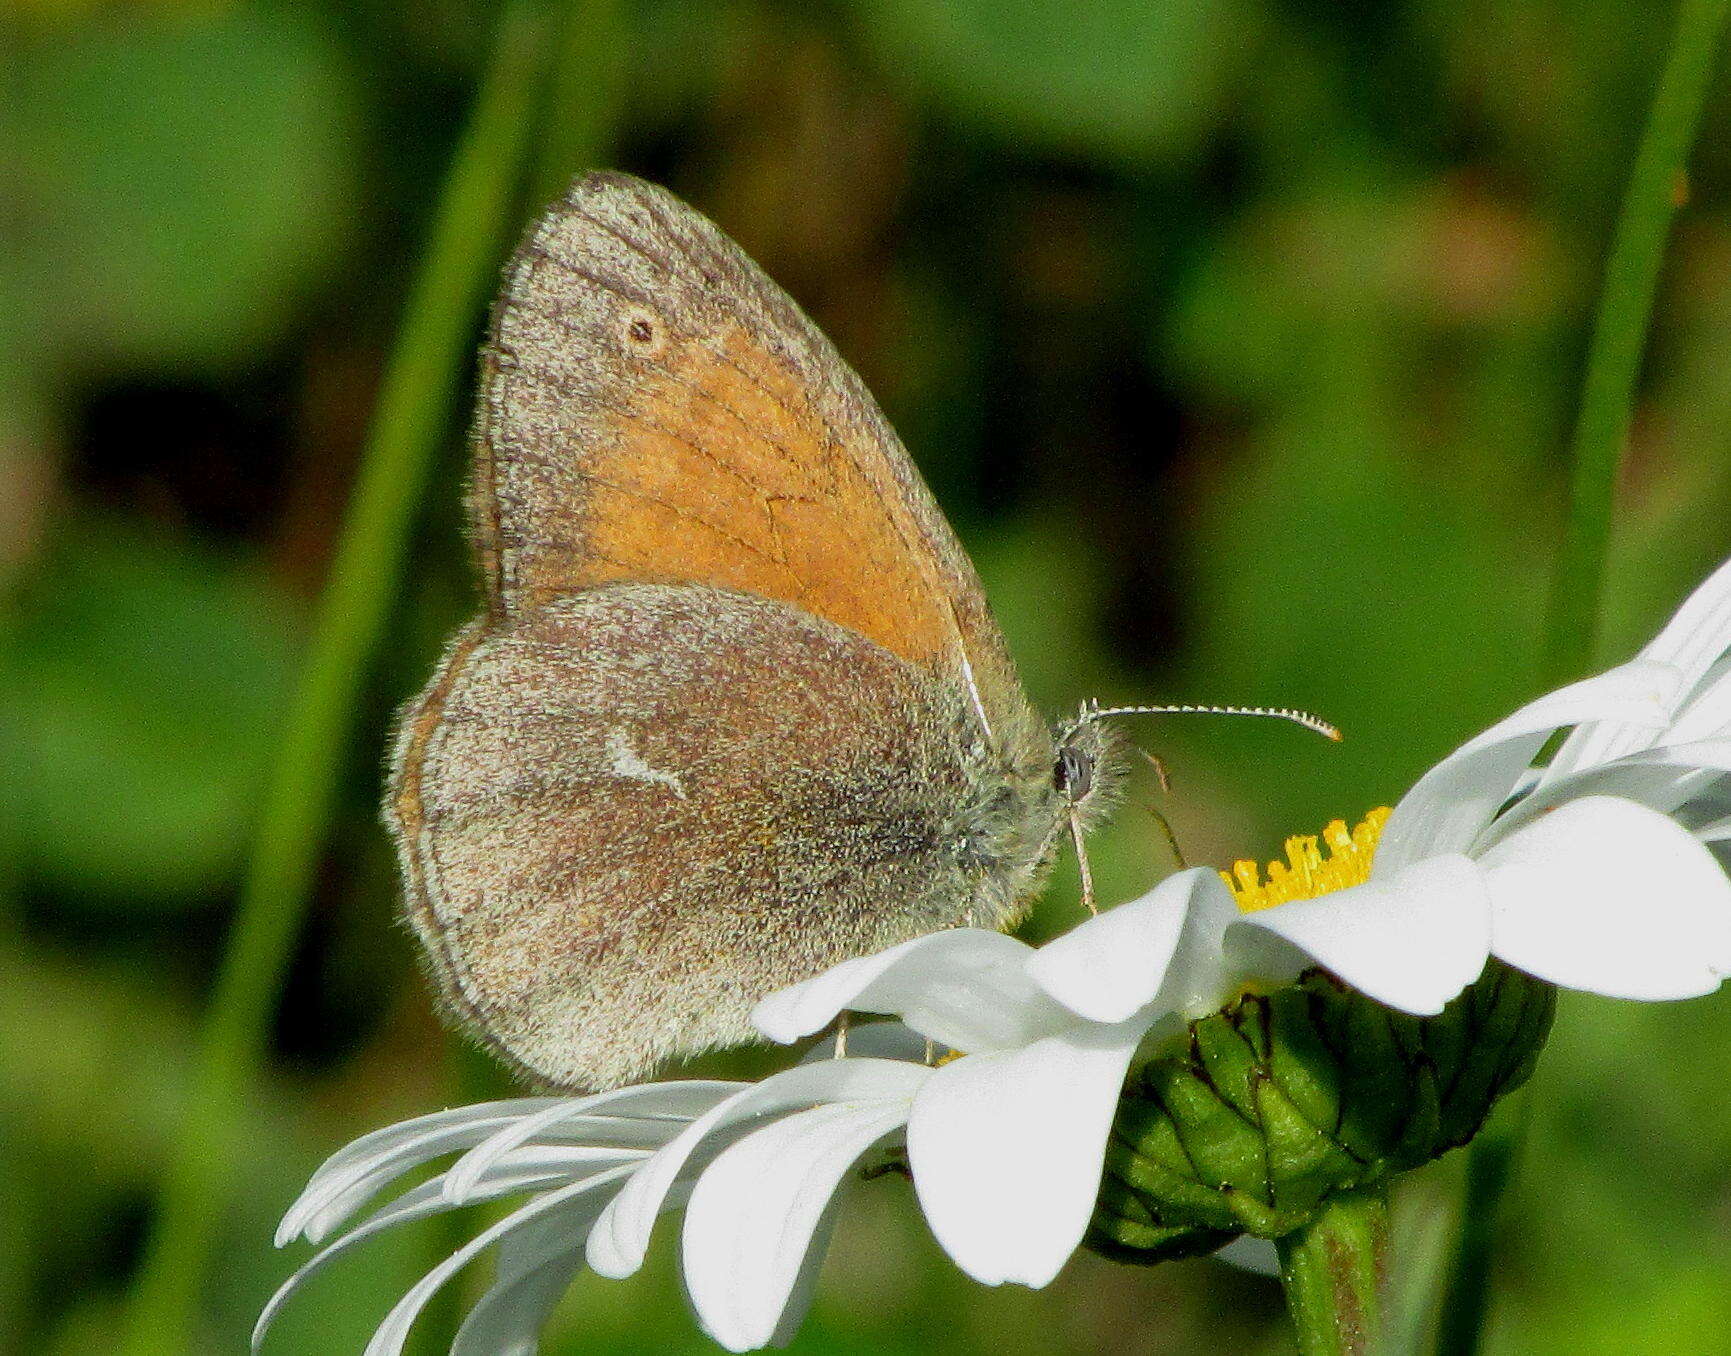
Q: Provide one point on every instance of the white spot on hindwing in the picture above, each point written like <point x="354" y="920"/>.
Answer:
<point x="625" y="761"/>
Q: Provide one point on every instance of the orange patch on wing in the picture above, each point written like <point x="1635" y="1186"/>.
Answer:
<point x="720" y="471"/>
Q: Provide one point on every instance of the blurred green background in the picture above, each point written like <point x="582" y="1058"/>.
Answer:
<point x="1239" y="338"/>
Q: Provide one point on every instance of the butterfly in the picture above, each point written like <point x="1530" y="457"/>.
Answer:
<point x="736" y="709"/>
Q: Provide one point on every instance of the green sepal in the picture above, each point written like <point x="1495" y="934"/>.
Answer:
<point x="1135" y="1176"/>
<point x="1229" y="1061"/>
<point x="1144" y="1245"/>
<point x="1253" y="1216"/>
<point x="1421" y="1136"/>
<point x="1222" y="1144"/>
<point x="1300" y="1060"/>
<point x="1304" y="1162"/>
<point x="1281" y="1102"/>
<point x="1369" y="1060"/>
<point x="1537" y="1014"/>
<point x="1147" y="1127"/>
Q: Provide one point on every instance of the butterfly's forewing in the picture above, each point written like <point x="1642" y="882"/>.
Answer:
<point x="655" y="408"/>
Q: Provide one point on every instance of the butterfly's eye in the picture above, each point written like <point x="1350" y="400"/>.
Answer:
<point x="1074" y="773"/>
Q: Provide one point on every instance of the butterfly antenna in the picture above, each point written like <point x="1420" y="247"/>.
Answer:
<point x="1304" y="718"/>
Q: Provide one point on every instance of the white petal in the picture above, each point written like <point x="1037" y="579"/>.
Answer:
<point x="418" y="1202"/>
<point x="621" y="1237"/>
<point x="1665" y="778"/>
<point x="386" y="1140"/>
<point x="804" y="1289"/>
<point x="557" y="1163"/>
<point x="965" y="987"/>
<point x="507" y="1320"/>
<point x="1608" y="896"/>
<point x="355" y="1173"/>
<point x="1692" y="642"/>
<point x="1412" y="941"/>
<point x="1450" y="805"/>
<point x="755" y="1210"/>
<point x="1718" y="831"/>
<point x="1700" y="630"/>
<point x="676" y="1104"/>
<point x="537" y="1263"/>
<point x="1007" y="1150"/>
<point x="1163" y="948"/>
<point x="1707" y="713"/>
<point x="1594" y="742"/>
<point x="574" y="1207"/>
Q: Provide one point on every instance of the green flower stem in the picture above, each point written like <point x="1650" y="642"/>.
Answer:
<point x="1490" y="1165"/>
<point x="587" y="97"/>
<point x="19" y="1199"/>
<point x="1620" y="333"/>
<point x="578" y="131"/>
<point x="1601" y="432"/>
<point x="1333" y="1271"/>
<point x="426" y="369"/>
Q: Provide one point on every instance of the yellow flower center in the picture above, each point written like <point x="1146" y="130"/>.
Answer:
<point x="1313" y="866"/>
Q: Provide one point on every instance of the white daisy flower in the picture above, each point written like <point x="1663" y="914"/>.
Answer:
<point x="1596" y="872"/>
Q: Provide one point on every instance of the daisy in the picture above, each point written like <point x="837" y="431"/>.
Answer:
<point x="1597" y="871"/>
<point x="999" y="1084"/>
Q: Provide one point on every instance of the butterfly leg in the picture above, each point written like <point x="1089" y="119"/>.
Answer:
<point x="1171" y="837"/>
<point x="1159" y="818"/>
<point x="1082" y="863"/>
<point x="1159" y="769"/>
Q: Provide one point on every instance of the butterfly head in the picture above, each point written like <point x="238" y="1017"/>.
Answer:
<point x="1088" y="768"/>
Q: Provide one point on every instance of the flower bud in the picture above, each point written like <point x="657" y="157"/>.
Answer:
<point x="1285" y="1098"/>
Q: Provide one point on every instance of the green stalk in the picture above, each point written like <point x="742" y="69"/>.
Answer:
<point x="1620" y="334"/>
<point x="578" y="130"/>
<point x="1491" y="1162"/>
<point x="1601" y="432"/>
<point x="427" y="367"/>
<point x="22" y="1215"/>
<point x="587" y="99"/>
<point x="1334" y="1270"/>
